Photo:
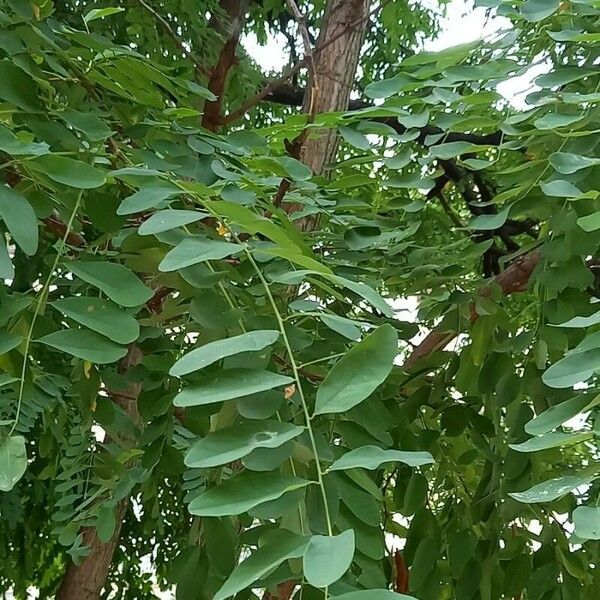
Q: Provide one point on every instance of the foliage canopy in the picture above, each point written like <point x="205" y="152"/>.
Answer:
<point x="205" y="365"/>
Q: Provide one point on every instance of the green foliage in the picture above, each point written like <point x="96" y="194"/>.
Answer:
<point x="271" y="429"/>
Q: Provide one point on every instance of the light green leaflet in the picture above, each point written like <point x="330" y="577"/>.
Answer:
<point x="560" y="413"/>
<point x="239" y="494"/>
<point x="373" y="595"/>
<point x="13" y="461"/>
<point x="210" y="353"/>
<point x="553" y="439"/>
<point x="551" y="490"/>
<point x="327" y="558"/>
<point x="232" y="443"/>
<point x="165" y="220"/>
<point x="280" y="545"/>
<point x="359" y="373"/>
<point x="85" y="344"/>
<point x="587" y="522"/>
<point x="102" y="316"/>
<point x="232" y="383"/>
<point x="195" y="250"/>
<point x="119" y="283"/>
<point x="372" y="457"/>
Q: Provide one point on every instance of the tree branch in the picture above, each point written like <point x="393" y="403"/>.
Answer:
<point x="270" y="88"/>
<point x="200" y="68"/>
<point x="514" y="279"/>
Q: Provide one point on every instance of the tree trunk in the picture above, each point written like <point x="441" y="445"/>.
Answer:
<point x="86" y="580"/>
<point x="335" y="70"/>
<point x="235" y="11"/>
<point x="330" y="84"/>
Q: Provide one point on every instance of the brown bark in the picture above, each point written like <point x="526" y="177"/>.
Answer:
<point x="335" y="74"/>
<point x="86" y="580"/>
<point x="234" y="11"/>
<point x="332" y="77"/>
<point x="514" y="279"/>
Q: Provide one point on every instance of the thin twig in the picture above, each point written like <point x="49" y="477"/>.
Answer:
<point x="200" y="68"/>
<point x="308" y="49"/>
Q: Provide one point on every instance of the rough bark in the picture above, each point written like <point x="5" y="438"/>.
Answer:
<point x="85" y="581"/>
<point x="514" y="279"/>
<point x="330" y="84"/>
<point x="231" y="29"/>
<point x="335" y="74"/>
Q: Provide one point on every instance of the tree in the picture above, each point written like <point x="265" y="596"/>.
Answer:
<point x="207" y="381"/>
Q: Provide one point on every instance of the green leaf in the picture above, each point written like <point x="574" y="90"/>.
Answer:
<point x="560" y="188"/>
<point x="92" y="126"/>
<point x="165" y="220"/>
<point x="490" y="222"/>
<point x="239" y="494"/>
<point x="537" y="10"/>
<point x="590" y="222"/>
<point x="13" y="145"/>
<point x="574" y="368"/>
<point x="560" y="413"/>
<point x="568" y="163"/>
<point x="372" y="457"/>
<point x="8" y="341"/>
<point x="587" y="522"/>
<point x="563" y="75"/>
<point x="550" y="490"/>
<point x="411" y="181"/>
<point x="552" y="121"/>
<point x="388" y="87"/>
<point x="119" y="283"/>
<point x="106" y="523"/>
<point x="197" y="359"/>
<point x="7" y="270"/>
<point x="554" y="439"/>
<point x="68" y="171"/>
<point x="192" y="251"/>
<point x="281" y="545"/>
<point x="366" y="292"/>
<point x="154" y="196"/>
<point x="99" y="13"/>
<point x="359" y="373"/>
<point x="13" y="461"/>
<point x="233" y="383"/>
<point x="17" y="214"/>
<point x="581" y="322"/>
<point x="355" y="138"/>
<point x="18" y="88"/>
<point x="327" y="558"/>
<point x="100" y="315"/>
<point x="232" y="443"/>
<point x="453" y="149"/>
<point x="341" y="325"/>
<point x="373" y="595"/>
<point x="84" y="344"/>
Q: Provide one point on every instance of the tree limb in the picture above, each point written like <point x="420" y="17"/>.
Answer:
<point x="514" y="279"/>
